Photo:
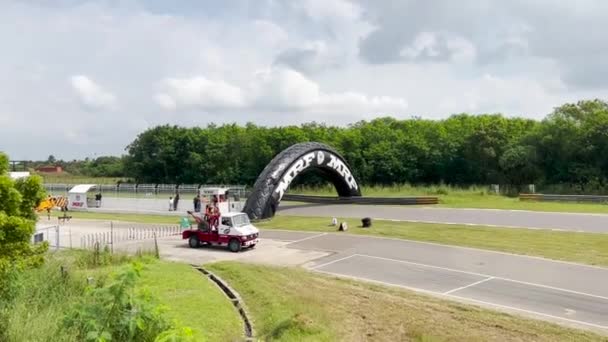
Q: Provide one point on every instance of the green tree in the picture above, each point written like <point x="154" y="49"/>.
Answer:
<point x="17" y="224"/>
<point x="18" y="219"/>
<point x="519" y="166"/>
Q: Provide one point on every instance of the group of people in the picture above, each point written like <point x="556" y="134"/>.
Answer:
<point x="212" y="216"/>
<point x="197" y="202"/>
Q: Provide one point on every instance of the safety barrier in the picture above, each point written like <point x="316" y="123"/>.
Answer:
<point x="563" y="198"/>
<point x="423" y="200"/>
<point x="147" y="190"/>
<point x="106" y="238"/>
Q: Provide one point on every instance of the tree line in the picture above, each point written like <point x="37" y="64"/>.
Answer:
<point x="567" y="147"/>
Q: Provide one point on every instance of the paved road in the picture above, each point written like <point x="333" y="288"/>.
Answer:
<point x="571" y="294"/>
<point x="595" y="223"/>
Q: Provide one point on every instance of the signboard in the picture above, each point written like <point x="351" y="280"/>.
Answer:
<point x="321" y="159"/>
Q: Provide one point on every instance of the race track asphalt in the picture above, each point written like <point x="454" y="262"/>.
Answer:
<point x="591" y="223"/>
<point x="566" y="293"/>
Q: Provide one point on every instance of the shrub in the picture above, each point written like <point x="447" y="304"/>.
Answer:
<point x="117" y="312"/>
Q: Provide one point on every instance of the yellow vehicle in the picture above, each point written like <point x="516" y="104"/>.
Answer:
<point x="51" y="202"/>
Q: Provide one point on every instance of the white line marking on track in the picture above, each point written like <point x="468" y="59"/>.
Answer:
<point x="486" y="276"/>
<point x="332" y="262"/>
<point x="472" y="224"/>
<point x="479" y="250"/>
<point x="307" y="238"/>
<point x="429" y="292"/>
<point x="488" y="225"/>
<point x="467" y="286"/>
<point x="604" y="327"/>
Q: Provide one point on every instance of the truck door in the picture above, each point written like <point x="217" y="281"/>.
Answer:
<point x="225" y="225"/>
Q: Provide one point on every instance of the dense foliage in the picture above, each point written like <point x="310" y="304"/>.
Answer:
<point x="567" y="147"/>
<point x="17" y="224"/>
<point x="18" y="220"/>
<point x="117" y="312"/>
<point x="104" y="166"/>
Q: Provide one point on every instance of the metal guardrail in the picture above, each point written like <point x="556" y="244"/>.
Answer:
<point x="421" y="200"/>
<point x="563" y="198"/>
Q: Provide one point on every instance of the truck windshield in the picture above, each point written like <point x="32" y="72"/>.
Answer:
<point x="240" y="220"/>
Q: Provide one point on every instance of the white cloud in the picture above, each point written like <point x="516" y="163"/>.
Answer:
<point x="425" y="43"/>
<point x="91" y="94"/>
<point x="282" y="62"/>
<point x="333" y="9"/>
<point x="439" y="46"/>
<point x="199" y="92"/>
<point x="285" y="89"/>
<point x="273" y="89"/>
<point x="270" y="33"/>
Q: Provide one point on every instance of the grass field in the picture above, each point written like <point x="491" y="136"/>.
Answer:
<point x="585" y="248"/>
<point x="45" y="297"/>
<point x="451" y="197"/>
<point x="289" y="304"/>
<point x="194" y="301"/>
<point x="138" y="218"/>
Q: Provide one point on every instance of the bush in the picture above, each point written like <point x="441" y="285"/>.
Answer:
<point x="117" y="312"/>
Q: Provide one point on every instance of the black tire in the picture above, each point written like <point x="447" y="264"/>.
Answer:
<point x="194" y="242"/>
<point x="264" y="200"/>
<point x="234" y="245"/>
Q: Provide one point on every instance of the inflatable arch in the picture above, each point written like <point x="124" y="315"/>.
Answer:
<point x="276" y="177"/>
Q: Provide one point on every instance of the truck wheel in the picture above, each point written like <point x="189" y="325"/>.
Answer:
<point x="234" y="245"/>
<point x="194" y="242"/>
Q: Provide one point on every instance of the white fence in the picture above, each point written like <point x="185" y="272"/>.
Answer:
<point x="117" y="236"/>
<point x="147" y="190"/>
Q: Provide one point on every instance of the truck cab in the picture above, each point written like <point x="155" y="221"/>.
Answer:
<point x="234" y="230"/>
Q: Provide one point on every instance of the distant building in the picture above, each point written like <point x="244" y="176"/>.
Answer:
<point x="49" y="169"/>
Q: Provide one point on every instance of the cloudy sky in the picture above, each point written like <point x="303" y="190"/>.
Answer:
<point x="81" y="78"/>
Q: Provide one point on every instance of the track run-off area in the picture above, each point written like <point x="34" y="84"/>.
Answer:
<point x="564" y="292"/>
<point x="578" y="222"/>
<point x="567" y="293"/>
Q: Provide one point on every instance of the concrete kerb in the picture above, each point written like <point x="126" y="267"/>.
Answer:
<point x="234" y="297"/>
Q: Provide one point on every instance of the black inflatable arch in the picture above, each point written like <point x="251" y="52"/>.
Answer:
<point x="274" y="180"/>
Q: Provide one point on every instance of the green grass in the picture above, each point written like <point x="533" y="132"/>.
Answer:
<point x="585" y="248"/>
<point x="453" y="197"/>
<point x="45" y="297"/>
<point x="289" y="304"/>
<point x="194" y="301"/>
<point x="138" y="218"/>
